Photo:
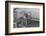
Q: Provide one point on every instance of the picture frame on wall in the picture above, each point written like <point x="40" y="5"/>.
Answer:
<point x="24" y="17"/>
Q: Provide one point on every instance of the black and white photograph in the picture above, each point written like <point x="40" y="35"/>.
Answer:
<point x="26" y="17"/>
